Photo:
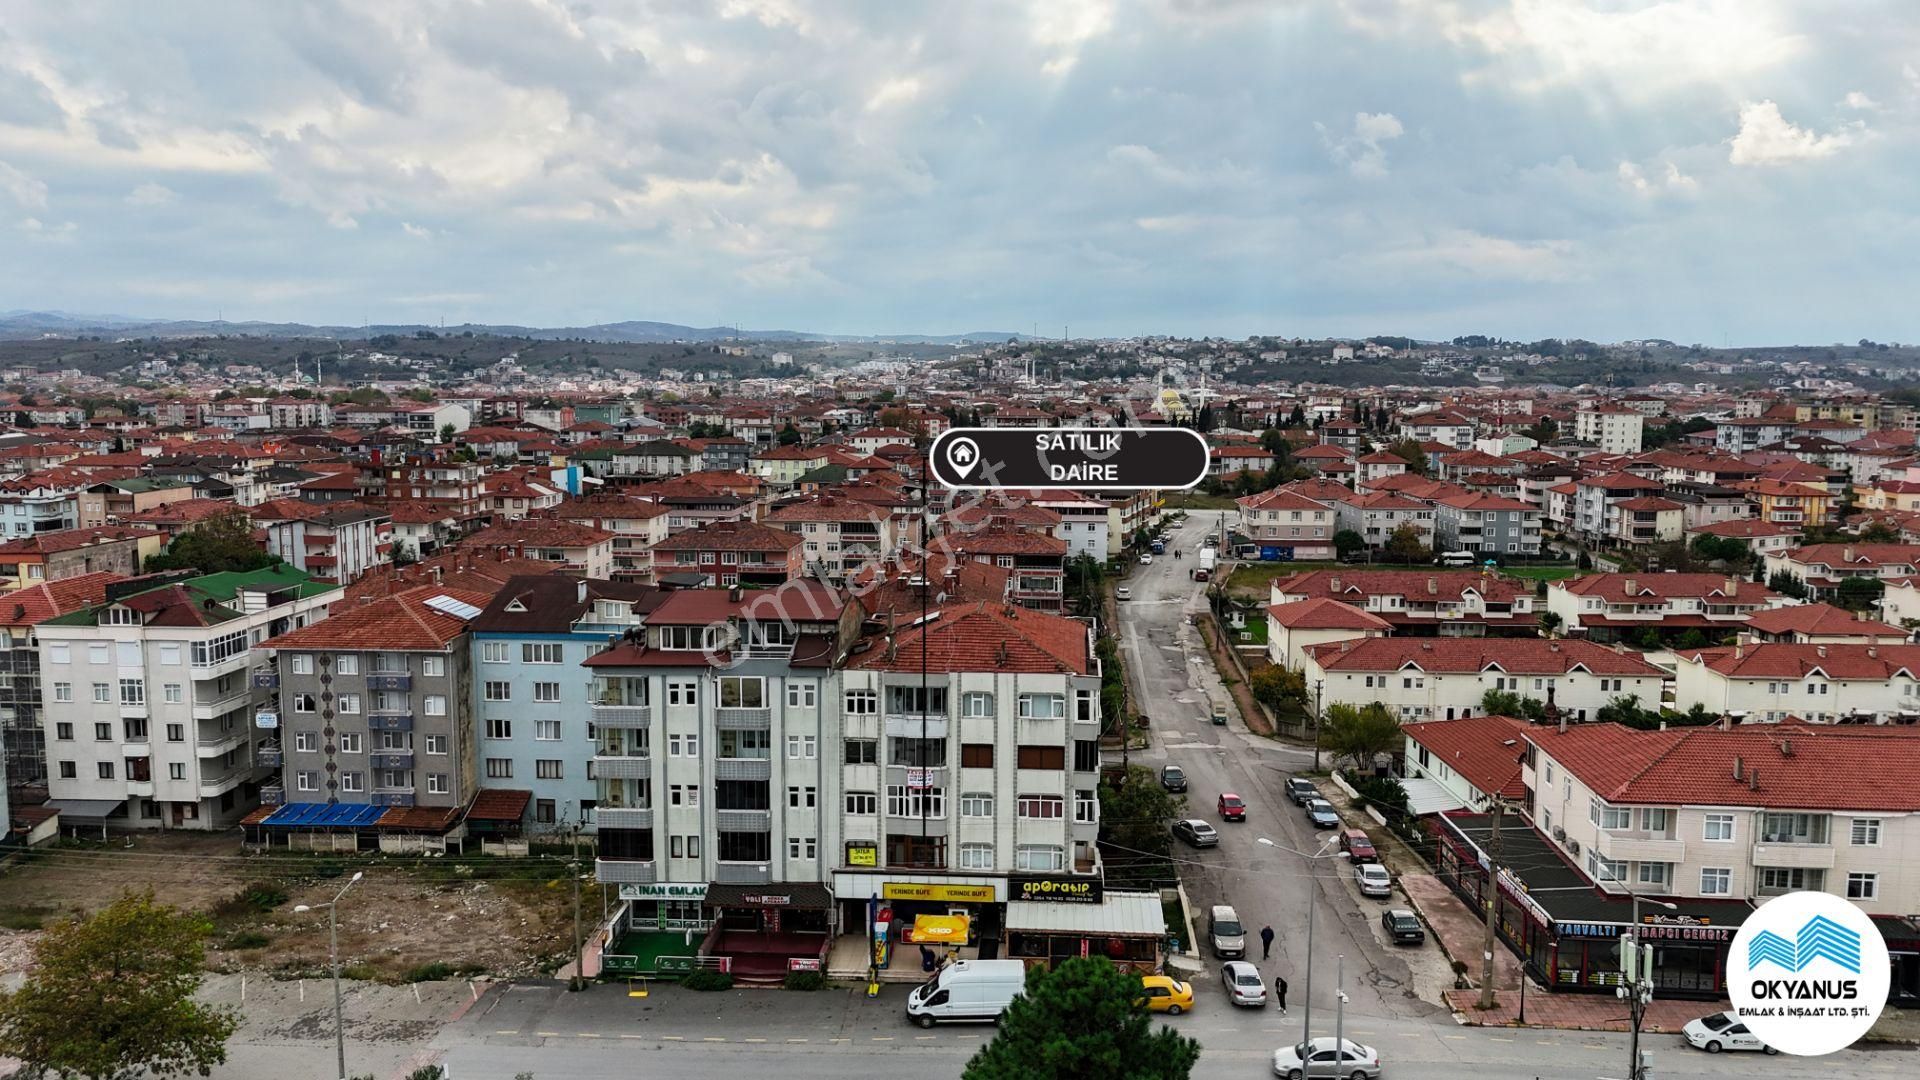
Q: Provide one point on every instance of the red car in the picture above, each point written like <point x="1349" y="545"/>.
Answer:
<point x="1232" y="807"/>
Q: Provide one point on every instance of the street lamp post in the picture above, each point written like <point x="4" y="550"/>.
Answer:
<point x="1639" y="988"/>
<point x="333" y="957"/>
<point x="1317" y="684"/>
<point x="1339" y="1013"/>
<point x="1306" y="993"/>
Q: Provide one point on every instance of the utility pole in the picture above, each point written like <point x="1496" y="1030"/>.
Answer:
<point x="1317" y="684"/>
<point x="573" y="871"/>
<point x="1492" y="905"/>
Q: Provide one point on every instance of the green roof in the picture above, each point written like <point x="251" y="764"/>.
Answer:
<point x="221" y="588"/>
<point x="144" y="483"/>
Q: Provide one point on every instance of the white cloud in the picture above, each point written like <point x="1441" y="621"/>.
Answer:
<point x="1859" y="101"/>
<point x="1463" y="251"/>
<point x="893" y="92"/>
<point x="1671" y="180"/>
<point x="30" y="193"/>
<point x="1767" y="138"/>
<point x="1361" y="152"/>
<point x="151" y="195"/>
<point x="1153" y="164"/>
<point x="418" y="232"/>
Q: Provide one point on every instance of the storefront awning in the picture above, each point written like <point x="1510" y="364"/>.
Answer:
<point x="805" y="895"/>
<point x="1426" y="796"/>
<point x="939" y="930"/>
<point x="86" y="809"/>
<point x="1119" y="914"/>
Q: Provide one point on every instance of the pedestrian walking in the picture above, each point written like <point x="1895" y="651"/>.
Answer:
<point x="1266" y="942"/>
<point x="1280" y="992"/>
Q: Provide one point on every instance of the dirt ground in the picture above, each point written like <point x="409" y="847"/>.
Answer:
<point x="502" y="917"/>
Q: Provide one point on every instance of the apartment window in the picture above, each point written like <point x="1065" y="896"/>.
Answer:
<point x="1042" y="806"/>
<point x="1086" y="807"/>
<point x="1866" y="832"/>
<point x="804" y="848"/>
<point x="436" y="744"/>
<point x="683" y="746"/>
<point x="544" y="811"/>
<point x="977" y="703"/>
<point x="1042" y="757"/>
<point x="547" y="769"/>
<point x="68" y="771"/>
<point x="1655" y="873"/>
<point x="353" y="781"/>
<point x="435" y="666"/>
<point x="802" y="798"/>
<point x="862" y="703"/>
<point x="1716" y="881"/>
<point x="546" y="730"/>
<point x="1609" y="817"/>
<point x="976" y="856"/>
<point x="346" y="663"/>
<point x="1040" y="858"/>
<point x="1863" y="886"/>
<point x="976" y="755"/>
<point x="347" y="704"/>
<point x="434" y="705"/>
<point x="498" y="691"/>
<point x="306" y="780"/>
<point x="1718" y="827"/>
<point x="305" y="742"/>
<point x="861" y="752"/>
<point x="863" y="802"/>
<point x="176" y="733"/>
<point x="1783" y="879"/>
<point x="1408" y="682"/>
<point x="911" y="802"/>
<point x="1793" y="828"/>
<point x="63" y="731"/>
<point x="174" y="693"/>
<point x="743" y="692"/>
<point x="499" y="727"/>
<point x="102" y="693"/>
<point x="683" y="692"/>
<point x="1086" y="755"/>
<point x="63" y="691"/>
<point x="976" y="804"/>
<point x="59" y="652"/>
<point x="176" y="770"/>
<point x="351" y="743"/>
<point x="1655" y="821"/>
<point x="105" y="769"/>
<point x="1606" y="870"/>
<point x="802" y="695"/>
<point x="1043" y="707"/>
<point x="802" y="747"/>
<point x="547" y="692"/>
<point x="499" y="768"/>
<point x="302" y="663"/>
<point x="493" y="652"/>
<point x="102" y="732"/>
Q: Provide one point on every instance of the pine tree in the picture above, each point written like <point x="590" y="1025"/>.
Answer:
<point x="1084" y="1020"/>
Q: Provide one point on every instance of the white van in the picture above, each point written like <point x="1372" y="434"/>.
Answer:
<point x="1457" y="558"/>
<point x="967" y="990"/>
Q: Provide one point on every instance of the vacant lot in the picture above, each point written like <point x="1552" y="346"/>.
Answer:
<point x="407" y="919"/>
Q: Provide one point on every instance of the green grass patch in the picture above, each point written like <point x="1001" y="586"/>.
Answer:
<point x="439" y="972"/>
<point x="31" y="917"/>
<point x="1541" y="573"/>
<point x="248" y="939"/>
<point x="1194" y="500"/>
<point x="1254" y="633"/>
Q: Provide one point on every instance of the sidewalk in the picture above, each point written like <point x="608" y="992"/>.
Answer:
<point x="1460" y="933"/>
<point x="1575" y="1012"/>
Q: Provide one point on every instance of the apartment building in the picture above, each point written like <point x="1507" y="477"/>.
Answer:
<point x="1820" y="624"/>
<point x="22" y="742"/>
<point x="1035" y="561"/>
<point x="636" y="526"/>
<point x="375" y="703"/>
<point x="45" y="501"/>
<point x="1735" y="814"/>
<point x="1486" y="524"/>
<point x="1822" y="567"/>
<point x="1285" y="525"/>
<point x="575" y="548"/>
<point x="840" y="535"/>
<point x="1746" y="434"/>
<point x="149" y="713"/>
<point x="1761" y="537"/>
<point x="1778" y="681"/>
<point x="336" y="542"/>
<point x="1440" y="426"/>
<point x="1449" y="603"/>
<point x="1377" y="515"/>
<point x="1784" y="502"/>
<point x="725" y="553"/>
<point x="111" y="502"/>
<point x="532" y="709"/>
<point x="1595" y="511"/>
<point x="50" y="556"/>
<point x="1609" y="607"/>
<point x="1443" y="678"/>
<point x="1470" y="760"/>
<point x="1615" y="429"/>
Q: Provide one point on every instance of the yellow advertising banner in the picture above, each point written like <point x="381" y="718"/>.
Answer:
<point x="939" y="929"/>
<point x="906" y="890"/>
<point x="862" y="855"/>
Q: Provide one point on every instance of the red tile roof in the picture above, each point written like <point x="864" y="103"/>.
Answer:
<point x="826" y="507"/>
<point x="1321" y="613"/>
<point x="401" y="621"/>
<point x="183" y="512"/>
<point x="1354" y="586"/>
<point x="50" y="543"/>
<point x="1485" y="750"/>
<point x="1824" y="620"/>
<point x="982" y="636"/>
<point x="732" y="536"/>
<point x="540" y="532"/>
<point x="1615" y="587"/>
<point x="1857" y="556"/>
<point x="1279" y="499"/>
<point x="1528" y="656"/>
<point x="1782" y="660"/>
<point x="25" y="607"/>
<point x="1744" y="529"/>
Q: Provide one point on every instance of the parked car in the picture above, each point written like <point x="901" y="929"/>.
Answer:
<point x="1722" y="1031"/>
<point x="1196" y="832"/>
<point x="1321" y="813"/>
<point x="1374" y="879"/>
<point x="1232" y="807"/>
<point x="1166" y="994"/>
<point x="1146" y="558"/>
<point x="1301" y="1060"/>
<point x="1173" y="778"/>
<point x="1121" y="592"/>
<point x="1300" y="789"/>
<point x="1217" y="712"/>
<point x="1244" y="984"/>
<point x="1358" y="846"/>
<point x="977" y="990"/>
<point x="1403" y="926"/>
<point x="1225" y="933"/>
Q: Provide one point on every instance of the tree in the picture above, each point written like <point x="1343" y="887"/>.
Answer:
<point x="1512" y="703"/>
<point x="1626" y="710"/>
<point x="1084" y="1020"/>
<point x="1298" y="417"/>
<point x="1550" y="621"/>
<point x="447" y="433"/>
<point x="789" y="435"/>
<point x="1273" y="442"/>
<point x="1786" y="583"/>
<point x="1274" y="684"/>
<point x="1859" y="593"/>
<point x="1408" y="450"/>
<point x="1360" y="734"/>
<point x="1134" y="814"/>
<point x="1694" y="638"/>
<point x="1405" y="546"/>
<point x="1347" y="542"/>
<point x="221" y="543"/>
<point x="112" y="997"/>
<point x="1722" y="549"/>
<point x="1878" y="532"/>
<point x="1584" y="562"/>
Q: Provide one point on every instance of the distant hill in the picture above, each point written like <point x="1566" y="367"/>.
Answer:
<point x="20" y="324"/>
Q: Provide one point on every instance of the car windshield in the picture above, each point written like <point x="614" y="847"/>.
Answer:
<point x="1228" y="929"/>
<point x="1226" y="800"/>
<point x="1247" y="978"/>
<point x="1405" y="922"/>
<point x="1717" y="1022"/>
<point x="1171" y="772"/>
<point x="1203" y="828"/>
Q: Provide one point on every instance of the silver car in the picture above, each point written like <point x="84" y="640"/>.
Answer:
<point x="1301" y="1060"/>
<point x="1244" y="984"/>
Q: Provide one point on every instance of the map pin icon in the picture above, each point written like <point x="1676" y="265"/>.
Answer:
<point x="963" y="456"/>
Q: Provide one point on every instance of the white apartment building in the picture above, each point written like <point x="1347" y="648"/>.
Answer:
<point x="1779" y="681"/>
<point x="1457" y="603"/>
<point x="148" y="707"/>
<point x="1615" y="429"/>
<point x="1731" y="814"/>
<point x="1444" y="678"/>
<point x="1609" y="606"/>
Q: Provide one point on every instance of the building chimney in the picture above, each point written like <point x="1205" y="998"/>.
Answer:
<point x="1753" y="779"/>
<point x="1739" y="768"/>
<point x="1726" y="721"/>
<point x="1846" y="553"/>
<point x="1733" y="586"/>
<point x="1786" y="747"/>
<point x="1630" y="585"/>
<point x="1433" y="586"/>
<point x="1820" y="651"/>
<point x="1333" y="584"/>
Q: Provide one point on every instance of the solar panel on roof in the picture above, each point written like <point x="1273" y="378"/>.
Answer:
<point x="457" y="608"/>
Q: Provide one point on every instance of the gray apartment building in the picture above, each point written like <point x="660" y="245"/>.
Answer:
<point x="1486" y="524"/>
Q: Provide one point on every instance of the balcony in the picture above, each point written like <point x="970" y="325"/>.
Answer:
<point x="134" y="711"/>
<point x="916" y="726"/>
<point x="268" y="756"/>
<point x="741" y="873"/>
<point x="622" y="766"/>
<point x="1640" y="849"/>
<point x="624" y="871"/>
<point x="623" y="717"/>
<point x="623" y="817"/>
<point x="1796" y="856"/>
<point x="208" y="710"/>
<point x="766" y="650"/>
<point x="742" y="769"/>
<point x="266" y="680"/>
<point x="211" y="786"/>
<point x="392" y="759"/>
<point x="743" y="820"/>
<point x="389" y="721"/>
<point x="725" y="719"/>
<point x="388" y="681"/>
<point x="220" y="742"/>
<point x="140" y="788"/>
<point x="391" y="797"/>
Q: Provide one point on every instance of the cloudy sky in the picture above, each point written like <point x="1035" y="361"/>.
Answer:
<point x="1706" y="170"/>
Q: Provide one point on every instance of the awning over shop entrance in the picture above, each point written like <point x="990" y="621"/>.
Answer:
<point x="86" y="809"/>
<point x="801" y="895"/>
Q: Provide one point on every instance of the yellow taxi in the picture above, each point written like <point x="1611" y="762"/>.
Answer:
<point x="1167" y="994"/>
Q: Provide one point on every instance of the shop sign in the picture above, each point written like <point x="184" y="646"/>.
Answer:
<point x="920" y="778"/>
<point x="766" y="900"/>
<point x="907" y="890"/>
<point x="1646" y="932"/>
<point x="803" y="963"/>
<point x="1676" y="920"/>
<point x="863" y="855"/>
<point x="1056" y="890"/>
<point x="667" y="890"/>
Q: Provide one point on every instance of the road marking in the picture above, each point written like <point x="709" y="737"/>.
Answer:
<point x="883" y="1038"/>
<point x="673" y="1038"/>
<point x="1496" y="1038"/>
<point x="714" y="1038"/>
<point x="839" y="1040"/>
<point x="1547" y="1042"/>
<point x="635" y="1036"/>
<point x="753" y="1040"/>
<point x="796" y="1040"/>
<point x="506" y="1033"/>
<point x="924" y="1038"/>
<point x="548" y="1034"/>
<point x="586" y="1035"/>
<point x="1462" y="1038"/>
